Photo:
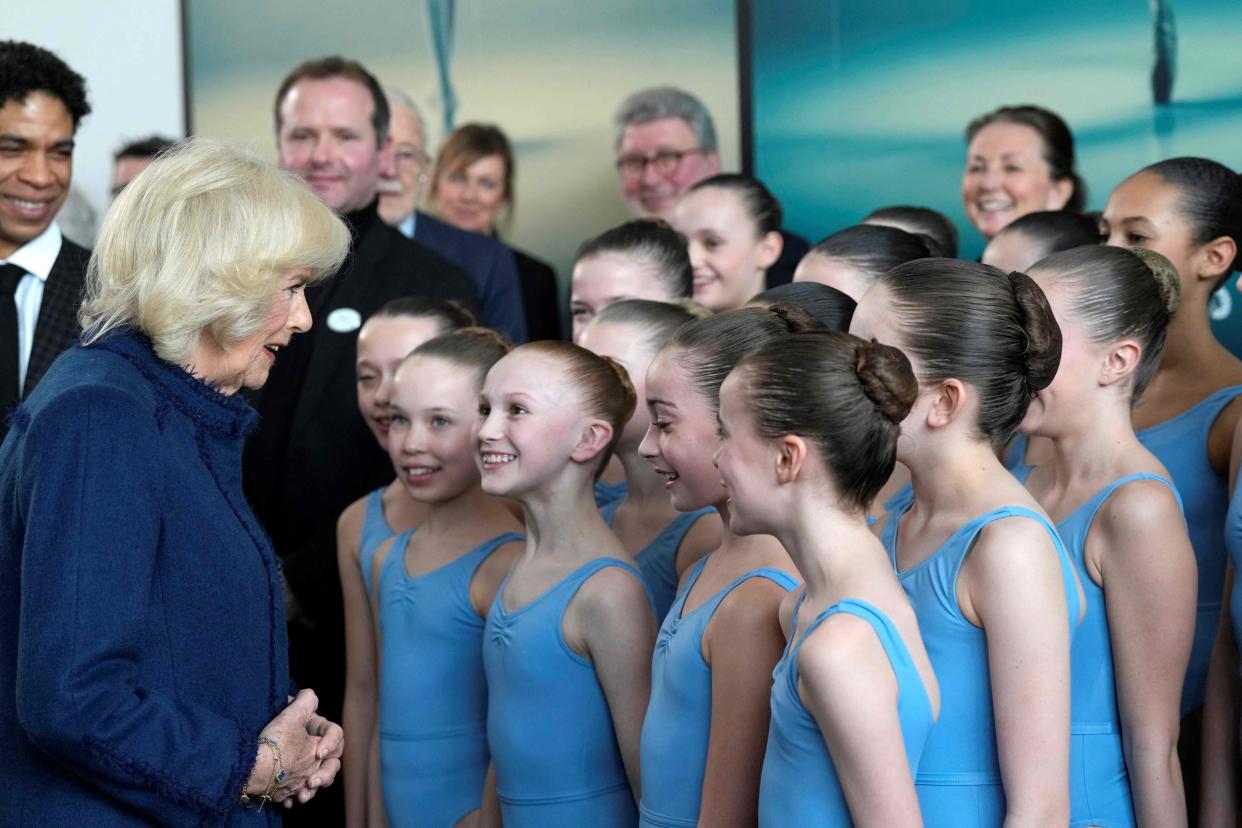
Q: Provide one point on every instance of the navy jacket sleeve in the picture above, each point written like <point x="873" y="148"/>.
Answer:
<point x="91" y="489"/>
<point x="502" y="297"/>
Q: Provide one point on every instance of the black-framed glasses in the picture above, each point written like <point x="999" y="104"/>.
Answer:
<point x="663" y="162"/>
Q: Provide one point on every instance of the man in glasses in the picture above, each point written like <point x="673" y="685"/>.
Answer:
<point x="666" y="143"/>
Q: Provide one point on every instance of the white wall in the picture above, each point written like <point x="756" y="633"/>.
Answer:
<point x="129" y="51"/>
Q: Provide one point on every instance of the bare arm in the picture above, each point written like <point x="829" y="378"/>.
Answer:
<point x="847" y="684"/>
<point x="359" y="716"/>
<point x="1218" y="807"/>
<point x="489" y="808"/>
<point x="743" y="642"/>
<point x="618" y="631"/>
<point x="1149" y="576"/>
<point x="1027" y="625"/>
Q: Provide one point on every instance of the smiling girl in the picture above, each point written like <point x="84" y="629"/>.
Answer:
<point x="664" y="542"/>
<point x="809" y="432"/>
<point x="433" y="587"/>
<point x="704" y="733"/>
<point x="568" y="643"/>
<point x="731" y="224"/>
<point x="383" y="342"/>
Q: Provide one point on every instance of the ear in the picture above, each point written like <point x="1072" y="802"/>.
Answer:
<point x="1060" y="194"/>
<point x="770" y="247"/>
<point x="595" y="437"/>
<point x="947" y="404"/>
<point x="1120" y="362"/>
<point x="790" y="455"/>
<point x="713" y="163"/>
<point x="1216" y="258"/>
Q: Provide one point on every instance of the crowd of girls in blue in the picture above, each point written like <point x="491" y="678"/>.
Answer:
<point x="911" y="541"/>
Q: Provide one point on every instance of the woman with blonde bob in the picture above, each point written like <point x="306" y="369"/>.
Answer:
<point x="143" y="663"/>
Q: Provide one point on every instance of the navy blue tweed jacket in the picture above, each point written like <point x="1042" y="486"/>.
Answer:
<point x="142" y="636"/>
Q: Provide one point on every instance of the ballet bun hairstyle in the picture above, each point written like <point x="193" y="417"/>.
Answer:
<point x="708" y="349"/>
<point x="871" y="250"/>
<point x="603" y="385"/>
<point x="472" y="348"/>
<point x="451" y="314"/>
<point x="761" y="206"/>
<point x="656" y="321"/>
<point x="654" y="245"/>
<point x="1119" y="293"/>
<point x="831" y="307"/>
<point x="1211" y="200"/>
<point x="845" y="395"/>
<point x="992" y="330"/>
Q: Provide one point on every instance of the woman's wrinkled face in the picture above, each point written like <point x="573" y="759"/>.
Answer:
<point x="728" y="254"/>
<point x="1145" y="211"/>
<point x="383" y="343"/>
<point x="599" y="281"/>
<point x="627" y="345"/>
<point x="531" y="422"/>
<point x="745" y="459"/>
<point x="247" y="362"/>
<point x="433" y="420"/>
<point x="1007" y="177"/>
<point x="683" y="435"/>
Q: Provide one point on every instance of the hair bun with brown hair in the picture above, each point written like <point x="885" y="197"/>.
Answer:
<point x="795" y="318"/>
<point x="627" y="385"/>
<point x="487" y="335"/>
<point x="1167" y="281"/>
<point x="1043" y="334"/>
<point x="886" y="378"/>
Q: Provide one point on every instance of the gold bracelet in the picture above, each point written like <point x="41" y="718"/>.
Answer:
<point x="278" y="774"/>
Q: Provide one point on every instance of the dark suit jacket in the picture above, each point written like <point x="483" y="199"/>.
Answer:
<point x="782" y="271"/>
<point x="539" y="296"/>
<point x="313" y="454"/>
<point x="488" y="262"/>
<point x="57" y="327"/>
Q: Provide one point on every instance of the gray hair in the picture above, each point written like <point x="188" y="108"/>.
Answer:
<point x="401" y="98"/>
<point x="658" y="102"/>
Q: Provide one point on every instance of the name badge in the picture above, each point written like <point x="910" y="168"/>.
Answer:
<point x="344" y="320"/>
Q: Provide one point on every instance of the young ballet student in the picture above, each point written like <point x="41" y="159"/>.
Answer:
<point x="433" y="587"/>
<point x="663" y="541"/>
<point x="567" y="648"/>
<point x="706" y="724"/>
<point x="731" y="225"/>
<point x="384" y="341"/>
<point x="1121" y="520"/>
<point x="1190" y="210"/>
<point x="991" y="583"/>
<point x="809" y="430"/>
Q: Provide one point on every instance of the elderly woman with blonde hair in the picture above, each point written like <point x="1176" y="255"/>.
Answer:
<point x="143" y="672"/>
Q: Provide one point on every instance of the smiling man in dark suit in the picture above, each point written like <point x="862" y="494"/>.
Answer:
<point x="42" y="102"/>
<point x="313" y="455"/>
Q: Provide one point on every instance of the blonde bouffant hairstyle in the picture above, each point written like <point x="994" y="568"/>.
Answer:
<point x="196" y="245"/>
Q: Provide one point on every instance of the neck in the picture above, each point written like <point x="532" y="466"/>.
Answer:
<point x="1092" y="448"/>
<point x="563" y="520"/>
<point x="952" y="477"/>
<point x="823" y="563"/>
<point x="467" y="508"/>
<point x="1190" y="339"/>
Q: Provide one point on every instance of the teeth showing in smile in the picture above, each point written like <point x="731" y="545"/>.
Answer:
<point x="669" y="477"/>
<point x="995" y="206"/>
<point x="495" y="458"/>
<point x="28" y="205"/>
<point x="420" y="471"/>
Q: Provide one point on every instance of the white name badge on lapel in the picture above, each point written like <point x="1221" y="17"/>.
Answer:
<point x="344" y="320"/>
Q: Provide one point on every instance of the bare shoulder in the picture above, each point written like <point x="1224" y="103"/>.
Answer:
<point x="1138" y="512"/>
<point x="753" y="602"/>
<point x="496" y="565"/>
<point x="611" y="594"/>
<point x="349" y="527"/>
<point x="702" y="538"/>
<point x="844" y="656"/>
<point x="1013" y="540"/>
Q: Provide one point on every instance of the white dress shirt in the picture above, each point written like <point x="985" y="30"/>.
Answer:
<point x="36" y="257"/>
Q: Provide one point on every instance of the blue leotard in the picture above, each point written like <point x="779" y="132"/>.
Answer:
<point x="679" y="716"/>
<point x="658" y="559"/>
<point x="800" y="784"/>
<point x="607" y="493"/>
<point x="375" y="530"/>
<point x="1180" y="443"/>
<point x="553" y="746"/>
<point x="959" y="781"/>
<point x="1099" y="782"/>
<point x="433" y="695"/>
<point x="1233" y="540"/>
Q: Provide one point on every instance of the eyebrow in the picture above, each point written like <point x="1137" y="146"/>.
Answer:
<point x="652" y="402"/>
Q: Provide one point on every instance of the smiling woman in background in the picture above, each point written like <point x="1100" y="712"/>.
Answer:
<point x="472" y="189"/>
<point x="131" y="566"/>
<point x="1019" y="160"/>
